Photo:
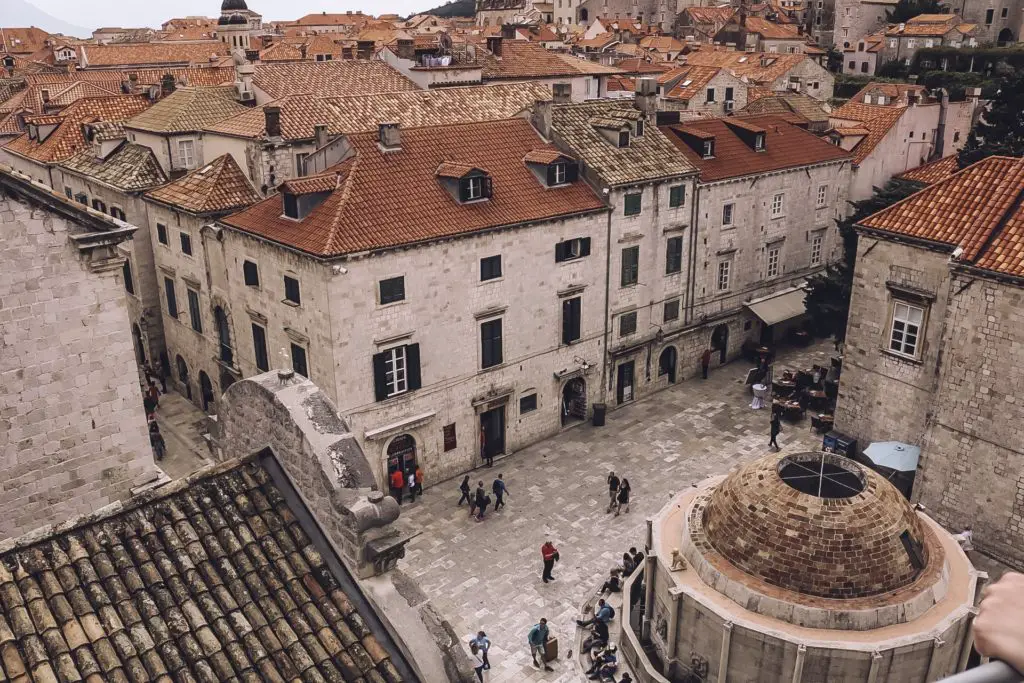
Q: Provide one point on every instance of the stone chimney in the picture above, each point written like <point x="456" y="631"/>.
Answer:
<point x="646" y="98"/>
<point x="494" y="45"/>
<point x="562" y="93"/>
<point x="508" y="32"/>
<point x="320" y="135"/>
<point x="540" y="117"/>
<point x="272" y="119"/>
<point x="389" y="137"/>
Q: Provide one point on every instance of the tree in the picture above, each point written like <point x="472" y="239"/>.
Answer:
<point x="1000" y="129"/>
<point x="828" y="295"/>
<point x="908" y="9"/>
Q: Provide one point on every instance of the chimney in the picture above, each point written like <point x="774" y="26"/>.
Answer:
<point x="646" y="98"/>
<point x="167" y="85"/>
<point x="562" y="93"/>
<point x="508" y="31"/>
<point x="389" y="137"/>
<point x="540" y="117"/>
<point x="45" y="94"/>
<point x="494" y="45"/>
<point x="406" y="49"/>
<point x="272" y="121"/>
<point x="320" y="135"/>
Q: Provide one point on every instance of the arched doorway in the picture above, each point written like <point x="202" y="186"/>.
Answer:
<point x="226" y="380"/>
<point x="720" y="341"/>
<point x="574" y="401"/>
<point x="140" y="347"/>
<point x="220" y="318"/>
<point x="182" y="368"/>
<point x="205" y="391"/>
<point x="584" y="15"/>
<point x="401" y="454"/>
<point x="667" y="363"/>
<point x="1005" y="37"/>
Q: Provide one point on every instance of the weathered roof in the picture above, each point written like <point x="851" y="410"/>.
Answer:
<point x="523" y="59"/>
<point x="300" y="113"/>
<point x="759" y="67"/>
<point x="325" y="19"/>
<point x="877" y="119"/>
<point x="186" y="76"/>
<point x="689" y="81"/>
<point x="280" y="52"/>
<point x="648" y="157"/>
<point x="130" y="168"/>
<point x="788" y="103"/>
<point x="150" y="53"/>
<point x="710" y="15"/>
<point x="387" y="199"/>
<point x="188" y="109"/>
<point x="335" y="77"/>
<point x="218" y="187"/>
<point x="22" y="41"/>
<point x="785" y="146"/>
<point x="216" y="577"/>
<point x="896" y="93"/>
<point x="933" y="171"/>
<point x="771" y="30"/>
<point x="926" y="25"/>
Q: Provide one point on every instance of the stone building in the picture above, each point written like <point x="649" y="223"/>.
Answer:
<point x="657" y="13"/>
<point x="931" y="350"/>
<point x="902" y="41"/>
<point x="803" y="567"/>
<point x="774" y="71"/>
<point x="856" y="19"/>
<point x="72" y="430"/>
<point x="706" y="89"/>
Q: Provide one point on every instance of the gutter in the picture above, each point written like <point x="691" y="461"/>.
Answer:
<point x="607" y="304"/>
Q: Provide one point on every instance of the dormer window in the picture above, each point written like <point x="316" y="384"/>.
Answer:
<point x="558" y="173"/>
<point x="623" y="138"/>
<point x="465" y="183"/>
<point x="302" y="195"/>
<point x="709" y="149"/>
<point x="759" y="142"/>
<point x="471" y="189"/>
<point x="640" y="128"/>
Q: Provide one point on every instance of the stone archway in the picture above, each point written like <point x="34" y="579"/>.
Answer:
<point x="400" y="454"/>
<point x="720" y="341"/>
<point x="574" y="401"/>
<point x="182" y="368"/>
<point x="206" y="395"/>
<point x="1005" y="37"/>
<point x="667" y="363"/>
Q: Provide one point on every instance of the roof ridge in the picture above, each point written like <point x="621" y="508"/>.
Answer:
<point x="1000" y="225"/>
<point x="346" y="192"/>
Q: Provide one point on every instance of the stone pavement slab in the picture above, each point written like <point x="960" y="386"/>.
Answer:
<point x="486" y="575"/>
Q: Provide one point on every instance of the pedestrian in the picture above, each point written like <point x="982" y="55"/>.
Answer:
<point x="419" y="481"/>
<point x="485" y="453"/>
<point x="622" y="499"/>
<point x="412" y="481"/>
<point x="164" y="371"/>
<point x="500" y="490"/>
<point x="538" y="640"/>
<point x="638" y="557"/>
<point x="705" y="361"/>
<point x="549" y="553"/>
<point x="482" y="507"/>
<point x="153" y="393"/>
<point x="484" y="643"/>
<point x="776" y="427"/>
<point x="464" y="487"/>
<point x="397" y="482"/>
<point x="478" y="498"/>
<point x="613" y="489"/>
<point x="156" y="440"/>
<point x="478" y="661"/>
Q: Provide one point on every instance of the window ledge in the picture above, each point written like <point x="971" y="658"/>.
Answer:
<point x="492" y="368"/>
<point x="288" y="302"/>
<point x="901" y="357"/>
<point x="391" y="304"/>
<point x="490" y="281"/>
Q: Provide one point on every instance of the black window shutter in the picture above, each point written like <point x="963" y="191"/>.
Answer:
<point x="486" y="186"/>
<point x="585" y="246"/>
<point x="463" y="190"/>
<point x="551" y="175"/>
<point x="412" y="366"/>
<point x="380" y="383"/>
<point x="567" y="321"/>
<point x="572" y="173"/>
<point x="560" y="249"/>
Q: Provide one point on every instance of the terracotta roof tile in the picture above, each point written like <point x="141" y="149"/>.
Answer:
<point x="324" y="19"/>
<point x="543" y="156"/>
<point x="150" y="53"/>
<point x="933" y="171"/>
<point x="130" y="168"/>
<point x="186" y="76"/>
<point x="772" y="31"/>
<point x="218" y="187"/>
<point x="585" y="66"/>
<point x="759" y="67"/>
<point x="188" y="109"/>
<point x="523" y="59"/>
<point x="786" y="146"/>
<point x="22" y="41"/>
<point x="802" y="105"/>
<point x="896" y="93"/>
<point x="281" y="52"/>
<point x="451" y="169"/>
<point x="324" y="182"/>
<point x="394" y="198"/>
<point x="68" y="139"/>
<point x="877" y="120"/>
<point x="635" y="65"/>
<point x="691" y="81"/>
<point x="710" y="15"/>
<point x="978" y="209"/>
<point x="926" y="25"/>
<point x="337" y="78"/>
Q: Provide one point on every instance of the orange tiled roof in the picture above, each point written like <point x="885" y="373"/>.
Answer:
<point x="67" y="139"/>
<point x="759" y="67"/>
<point x="22" y="41"/>
<point x="281" y="52"/>
<point x="218" y="187"/>
<point x="543" y="156"/>
<point x="635" y="65"/>
<point x="771" y="30"/>
<point x="710" y="15"/>
<point x="926" y="25"/>
<point x="188" y="76"/>
<point x="339" y="78"/>
<point x="523" y="59"/>
<point x="661" y="43"/>
<point x="324" y="182"/>
<point x="977" y="209"/>
<point x="150" y="53"/>
<point x="893" y="91"/>
<point x="621" y="84"/>
<point x="692" y="81"/>
<point x="877" y="120"/>
<point x="933" y="171"/>
<point x="325" y="19"/>
<point x="786" y="146"/>
<point x="391" y="199"/>
<point x="188" y="109"/>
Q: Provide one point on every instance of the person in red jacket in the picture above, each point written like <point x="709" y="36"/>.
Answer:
<point x="550" y="554"/>
<point x="397" y="483"/>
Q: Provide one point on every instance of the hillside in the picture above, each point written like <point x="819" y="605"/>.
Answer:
<point x="457" y="8"/>
<point x="20" y="13"/>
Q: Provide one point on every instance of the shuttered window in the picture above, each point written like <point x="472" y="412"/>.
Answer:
<point x="571" y="309"/>
<point x="490" y="340"/>
<point x="572" y="249"/>
<point x="630" y="266"/>
<point x="674" y="255"/>
<point x="172" y="299"/>
<point x="259" y="346"/>
<point x="396" y="371"/>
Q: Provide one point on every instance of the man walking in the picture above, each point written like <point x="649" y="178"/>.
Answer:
<point x="776" y="427"/>
<point x="613" y="489"/>
<point x="484" y="644"/>
<point x="705" y="361"/>
<point x="549" y="552"/>
<point x="500" y="490"/>
<point x="464" y="487"/>
<point x="478" y="500"/>
<point x="397" y="482"/>
<point x="412" y="486"/>
<point x="538" y="639"/>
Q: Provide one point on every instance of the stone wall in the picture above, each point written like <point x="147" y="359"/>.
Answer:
<point x="72" y="431"/>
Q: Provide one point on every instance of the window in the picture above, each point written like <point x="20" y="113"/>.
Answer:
<point x="674" y="255"/>
<point x="676" y="196"/>
<point x="989" y="15"/>
<point x="259" y="347"/>
<point x="816" y="244"/>
<point x="1003" y="13"/>
<point x="773" y="262"/>
<point x="186" y="153"/>
<point x="911" y="135"/>
<point x="291" y="290"/>
<point x="892" y="43"/>
<point x="490" y="342"/>
<point x="396" y="371"/>
<point x="639" y="128"/>
<point x="393" y="289"/>
<point x="450" y="440"/>
<point x="624" y="138"/>
<point x="490" y="268"/>
<point x="97" y="205"/>
<point x="723" y="275"/>
<point x="558" y="170"/>
<point x="172" y="300"/>
<point x="671" y="310"/>
<point x="161" y="233"/>
<point x="251" y="274"/>
<point x="117" y="213"/>
<point x="906" y="326"/>
<point x="711" y="96"/>
<point x="527" y="404"/>
<point x="299" y="364"/>
<point x="474" y="188"/>
<point x="82" y="198"/>
<point x="630" y="266"/>
<point x="627" y="324"/>
<point x="572" y="249"/>
<point x="193" y="310"/>
<point x="863" y="67"/>
<point x="822" y="195"/>
<point x="69" y="192"/>
<point x="571" y="319"/>
<point x="300" y="161"/>
<point x="727" y="210"/>
<point x="928" y="42"/>
<point x="186" y="244"/>
<point x="910" y="42"/>
<point x="632" y="204"/>
<point x="728" y="94"/>
<point x="777" y="205"/>
<point x="759" y="142"/>
<point x="129" y="284"/>
<point x="956" y="136"/>
<point x="709" y="149"/>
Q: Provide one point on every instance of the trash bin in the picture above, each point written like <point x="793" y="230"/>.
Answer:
<point x="599" y="411"/>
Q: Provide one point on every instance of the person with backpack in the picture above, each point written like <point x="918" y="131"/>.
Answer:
<point x="604" y="613"/>
<point x="464" y="487"/>
<point x="538" y="641"/>
<point x="482" y="507"/>
<point x="500" y="490"/>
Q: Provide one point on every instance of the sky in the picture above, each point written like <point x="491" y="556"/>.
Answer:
<point x="95" y="13"/>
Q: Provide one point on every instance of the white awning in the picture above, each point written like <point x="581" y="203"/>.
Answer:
<point x="779" y="307"/>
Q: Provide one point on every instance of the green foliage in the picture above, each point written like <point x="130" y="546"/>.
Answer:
<point x="454" y="8"/>
<point x="956" y="83"/>
<point x="828" y="295"/>
<point x="894" y="69"/>
<point x="908" y="9"/>
<point x="834" y="60"/>
<point x="988" y="61"/>
<point x="1000" y="130"/>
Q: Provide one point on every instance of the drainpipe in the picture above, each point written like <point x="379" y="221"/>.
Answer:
<point x="691" y="277"/>
<point x="876" y="663"/>
<point x="798" y="667"/>
<point x="605" y="377"/>
<point x="650" y="567"/>
<point x="723" y="658"/>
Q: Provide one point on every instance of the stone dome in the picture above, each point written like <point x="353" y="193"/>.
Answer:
<point x="233" y="5"/>
<point x="236" y="20"/>
<point x="818" y="524"/>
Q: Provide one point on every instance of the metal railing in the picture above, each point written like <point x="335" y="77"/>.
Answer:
<point x="993" y="672"/>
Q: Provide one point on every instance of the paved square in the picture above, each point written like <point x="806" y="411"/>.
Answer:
<point x="487" y="575"/>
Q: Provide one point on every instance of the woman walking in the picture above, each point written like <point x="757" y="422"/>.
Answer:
<point x="464" y="487"/>
<point x="478" y="662"/>
<point x="622" y="499"/>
